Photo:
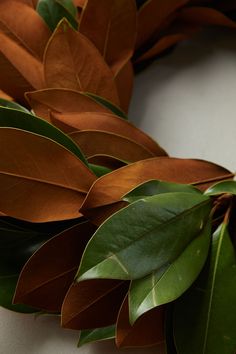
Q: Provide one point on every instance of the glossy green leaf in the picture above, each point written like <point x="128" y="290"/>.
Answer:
<point x="13" y="105"/>
<point x="171" y="281"/>
<point x="205" y="317"/>
<point x="99" y="171"/>
<point x="26" y="121"/>
<point x="155" y="187"/>
<point x="96" y="335"/>
<point x="103" y="102"/>
<point x="222" y="187"/>
<point x="136" y="240"/>
<point x="52" y="11"/>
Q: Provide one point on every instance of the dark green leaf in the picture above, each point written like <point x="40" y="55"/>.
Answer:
<point x="205" y="317"/>
<point x="53" y="11"/>
<point x="99" y="170"/>
<point x="114" y="109"/>
<point x="95" y="335"/>
<point x="136" y="240"/>
<point x="13" y="105"/>
<point x="155" y="187"/>
<point x="222" y="187"/>
<point x="171" y="281"/>
<point x="25" y="121"/>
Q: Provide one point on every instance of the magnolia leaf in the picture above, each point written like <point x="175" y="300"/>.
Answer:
<point x="204" y="318"/>
<point x="222" y="187"/>
<point x="62" y="100"/>
<point x="95" y="142"/>
<point x="45" y="279"/>
<point x="36" y="190"/>
<point x="112" y="187"/>
<point x="171" y="281"/>
<point x="70" y="122"/>
<point x="81" y="63"/>
<point x="26" y="121"/>
<point x="144" y="230"/>
<point x="93" y="303"/>
<point x="15" y="76"/>
<point x="147" y="331"/>
<point x="107" y="104"/>
<point x="111" y="26"/>
<point x="109" y="162"/>
<point x="53" y="11"/>
<point x="124" y="80"/>
<point x="96" y="335"/>
<point x="98" y="170"/>
<point x="155" y="187"/>
<point x="12" y="105"/>
<point x="28" y="29"/>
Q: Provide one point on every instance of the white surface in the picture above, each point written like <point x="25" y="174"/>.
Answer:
<point x="187" y="101"/>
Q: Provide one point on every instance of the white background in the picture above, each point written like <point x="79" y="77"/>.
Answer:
<point x="187" y="101"/>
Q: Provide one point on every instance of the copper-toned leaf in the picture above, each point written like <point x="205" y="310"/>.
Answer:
<point x="106" y="161"/>
<point x="48" y="274"/>
<point x="5" y="96"/>
<point x="147" y="330"/>
<point x="48" y="184"/>
<point x="111" y="26"/>
<point x="110" y="188"/>
<point x="70" y="122"/>
<point x="93" y="303"/>
<point x="15" y="76"/>
<point x="83" y="67"/>
<point x="61" y="100"/>
<point x="124" y="82"/>
<point x="205" y="16"/>
<point x="93" y="142"/>
<point x="27" y="28"/>
<point x="152" y="15"/>
<point x="79" y="3"/>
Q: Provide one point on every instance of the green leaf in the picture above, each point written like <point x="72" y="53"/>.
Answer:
<point x="28" y="122"/>
<point x="136" y="240"/>
<point x="222" y="187"/>
<point x="99" y="171"/>
<point x="171" y="281"/>
<point x="53" y="11"/>
<point x="155" y="187"/>
<point x="103" y="102"/>
<point x="12" y="105"/>
<point x="95" y="335"/>
<point x="205" y="317"/>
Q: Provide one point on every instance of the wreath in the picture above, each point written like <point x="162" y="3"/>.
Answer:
<point x="98" y="224"/>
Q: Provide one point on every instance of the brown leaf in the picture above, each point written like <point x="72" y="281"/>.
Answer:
<point x="152" y="15"/>
<point x="111" y="26"/>
<point x="83" y="67"/>
<point x="5" y="96"/>
<point x="61" y="100"/>
<point x="148" y="330"/>
<point x="108" y="122"/>
<point x="124" y="82"/>
<point x="106" y="161"/>
<point x="93" y="303"/>
<point x="79" y="3"/>
<point x="48" y="274"/>
<point x="205" y="16"/>
<point x="28" y="28"/>
<point x="93" y="142"/>
<point x="15" y="75"/>
<point x="40" y="180"/>
<point x="110" y="188"/>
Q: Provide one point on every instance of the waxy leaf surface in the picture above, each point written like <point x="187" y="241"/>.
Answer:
<point x="222" y="187"/>
<point x="96" y="335"/>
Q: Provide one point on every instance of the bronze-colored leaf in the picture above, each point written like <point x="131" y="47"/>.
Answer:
<point x="111" y="26"/>
<point x="108" y="122"/>
<point x="93" y="142"/>
<point x="93" y="303"/>
<point x="124" y="82"/>
<point x="152" y="15"/>
<point x="61" y="100"/>
<point x="106" y="161"/>
<point x="148" y="330"/>
<point x="205" y="16"/>
<point x="15" y="76"/>
<point x="27" y="28"/>
<point x="48" y="274"/>
<point x="5" y="96"/>
<point x="110" y="188"/>
<point x="79" y="3"/>
<point x="83" y="67"/>
<point x="48" y="184"/>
